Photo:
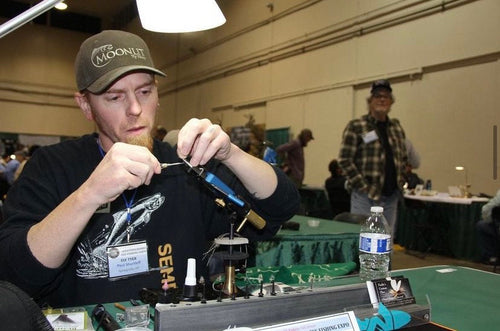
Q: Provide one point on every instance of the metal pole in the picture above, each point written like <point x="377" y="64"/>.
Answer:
<point x="495" y="151"/>
<point x="26" y="16"/>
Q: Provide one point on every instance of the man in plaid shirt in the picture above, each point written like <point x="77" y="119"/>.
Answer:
<point x="373" y="156"/>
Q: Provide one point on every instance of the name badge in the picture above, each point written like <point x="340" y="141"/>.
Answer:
<point x="370" y="136"/>
<point x="127" y="259"/>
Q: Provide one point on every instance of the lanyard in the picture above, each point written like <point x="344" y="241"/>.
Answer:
<point x="128" y="203"/>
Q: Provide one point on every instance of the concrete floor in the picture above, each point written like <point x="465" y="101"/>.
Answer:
<point x="403" y="259"/>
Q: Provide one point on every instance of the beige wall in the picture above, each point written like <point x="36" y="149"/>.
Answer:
<point x="37" y="84"/>
<point x="306" y="64"/>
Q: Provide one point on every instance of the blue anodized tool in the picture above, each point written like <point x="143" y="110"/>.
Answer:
<point x="214" y="182"/>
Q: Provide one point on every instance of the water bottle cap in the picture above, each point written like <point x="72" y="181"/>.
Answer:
<point x="377" y="209"/>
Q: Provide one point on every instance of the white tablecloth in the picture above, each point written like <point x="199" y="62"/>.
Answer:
<point x="445" y="197"/>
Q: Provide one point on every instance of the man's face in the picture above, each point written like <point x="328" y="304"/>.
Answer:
<point x="380" y="103"/>
<point x="126" y="111"/>
<point x="307" y="140"/>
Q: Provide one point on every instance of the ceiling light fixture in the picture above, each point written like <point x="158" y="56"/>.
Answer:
<point x="175" y="16"/>
<point x="61" y="6"/>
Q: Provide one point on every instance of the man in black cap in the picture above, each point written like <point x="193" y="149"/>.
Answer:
<point x="96" y="219"/>
<point x="293" y="152"/>
<point x="373" y="156"/>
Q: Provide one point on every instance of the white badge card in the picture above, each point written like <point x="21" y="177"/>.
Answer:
<point x="127" y="259"/>
<point x="370" y="136"/>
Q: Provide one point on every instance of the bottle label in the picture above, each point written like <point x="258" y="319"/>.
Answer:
<point x="376" y="243"/>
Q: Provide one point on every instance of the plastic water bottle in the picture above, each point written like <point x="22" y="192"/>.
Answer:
<point x="374" y="246"/>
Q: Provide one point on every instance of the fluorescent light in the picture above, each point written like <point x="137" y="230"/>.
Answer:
<point x="174" y="16"/>
<point x="61" y="6"/>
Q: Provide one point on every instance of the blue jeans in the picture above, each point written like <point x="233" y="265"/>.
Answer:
<point x="361" y="204"/>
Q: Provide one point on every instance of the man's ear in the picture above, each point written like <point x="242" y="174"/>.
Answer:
<point x="83" y="102"/>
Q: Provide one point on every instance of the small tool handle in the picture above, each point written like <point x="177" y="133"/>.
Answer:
<point x="104" y="318"/>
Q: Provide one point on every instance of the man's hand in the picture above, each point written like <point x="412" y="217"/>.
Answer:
<point x="124" y="167"/>
<point x="202" y="140"/>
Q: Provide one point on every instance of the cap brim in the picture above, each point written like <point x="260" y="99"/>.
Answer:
<point x="110" y="77"/>
<point x="377" y="88"/>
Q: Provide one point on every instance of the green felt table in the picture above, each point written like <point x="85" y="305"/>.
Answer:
<point x="464" y="299"/>
<point x="461" y="298"/>
<point x="330" y="242"/>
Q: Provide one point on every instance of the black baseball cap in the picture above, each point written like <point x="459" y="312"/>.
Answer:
<point x="307" y="133"/>
<point x="381" y="84"/>
<point x="106" y="56"/>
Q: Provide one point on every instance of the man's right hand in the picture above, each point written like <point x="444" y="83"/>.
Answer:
<point x="124" y="167"/>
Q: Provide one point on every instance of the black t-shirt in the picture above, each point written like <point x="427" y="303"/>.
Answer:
<point x="390" y="181"/>
<point x="175" y="214"/>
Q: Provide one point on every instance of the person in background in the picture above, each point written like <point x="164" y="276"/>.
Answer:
<point x="488" y="231"/>
<point x="13" y="165"/>
<point x="336" y="186"/>
<point x="3" y="164"/>
<point x="270" y="155"/>
<point x="410" y="177"/>
<point x="4" y="185"/>
<point x="413" y="155"/>
<point x="2" y="148"/>
<point x="159" y="133"/>
<point x="27" y="152"/>
<point x="4" y="160"/>
<point x="96" y="219"/>
<point x="171" y="137"/>
<point x="293" y="153"/>
<point x="373" y="156"/>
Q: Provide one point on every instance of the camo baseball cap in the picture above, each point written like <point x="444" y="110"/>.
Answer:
<point x="106" y="56"/>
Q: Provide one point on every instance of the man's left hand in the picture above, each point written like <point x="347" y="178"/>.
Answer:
<point x="203" y="140"/>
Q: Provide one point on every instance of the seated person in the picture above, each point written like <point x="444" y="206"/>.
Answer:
<point x="101" y="204"/>
<point x="336" y="187"/>
<point x="411" y="178"/>
<point x="488" y="231"/>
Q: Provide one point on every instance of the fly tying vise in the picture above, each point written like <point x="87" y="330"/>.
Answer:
<point x="226" y="197"/>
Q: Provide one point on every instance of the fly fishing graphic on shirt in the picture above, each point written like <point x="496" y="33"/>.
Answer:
<point x="93" y="262"/>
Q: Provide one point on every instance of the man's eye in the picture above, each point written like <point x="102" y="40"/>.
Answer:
<point x="113" y="97"/>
